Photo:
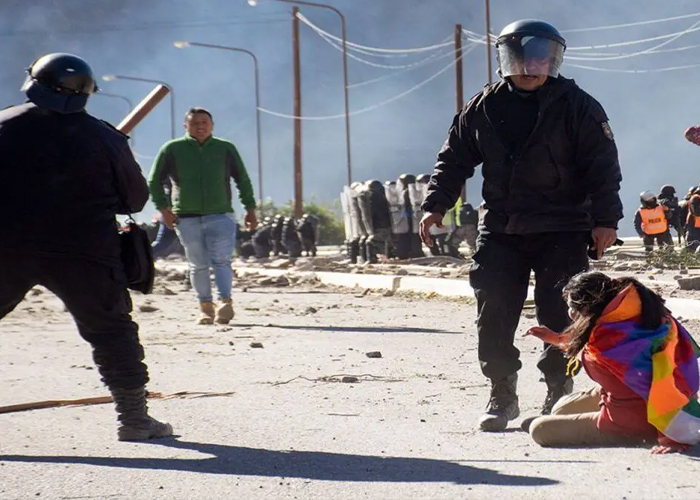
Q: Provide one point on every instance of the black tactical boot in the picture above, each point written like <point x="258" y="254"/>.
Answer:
<point x="503" y="405"/>
<point x="555" y="391"/>
<point x="136" y="424"/>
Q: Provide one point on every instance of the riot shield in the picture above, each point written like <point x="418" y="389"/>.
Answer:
<point x="399" y="221"/>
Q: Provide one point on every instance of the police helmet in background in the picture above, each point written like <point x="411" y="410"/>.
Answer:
<point x="530" y="47"/>
<point x="60" y="82"/>
<point x="647" y="197"/>
<point x="667" y="190"/>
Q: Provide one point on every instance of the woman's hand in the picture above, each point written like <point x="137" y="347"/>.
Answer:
<point x="544" y="334"/>
<point x="667" y="445"/>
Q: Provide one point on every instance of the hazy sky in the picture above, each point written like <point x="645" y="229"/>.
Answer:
<point x="648" y="111"/>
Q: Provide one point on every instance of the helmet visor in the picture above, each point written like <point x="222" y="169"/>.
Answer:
<point x="530" y="55"/>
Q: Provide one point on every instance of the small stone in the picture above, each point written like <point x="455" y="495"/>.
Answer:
<point x="651" y="277"/>
<point x="388" y="293"/>
<point x="256" y="345"/>
<point x="690" y="283"/>
<point x="36" y="291"/>
<point x="244" y="289"/>
<point x="167" y="291"/>
<point x="349" y="380"/>
<point x="373" y="354"/>
<point x="530" y="315"/>
<point x="230" y="342"/>
<point x="422" y="420"/>
<point x="282" y="281"/>
<point x="310" y="310"/>
<point x="147" y="308"/>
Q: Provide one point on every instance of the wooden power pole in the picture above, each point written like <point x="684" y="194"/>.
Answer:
<point x="489" y="69"/>
<point x="460" y="84"/>
<point x="458" y="66"/>
<point x="298" y="192"/>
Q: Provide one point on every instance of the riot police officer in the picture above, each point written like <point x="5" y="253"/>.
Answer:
<point x="551" y="184"/>
<point x="276" y="236"/>
<point x="262" y="239"/>
<point x="308" y="232"/>
<point x="64" y="176"/>
<point x="290" y="238"/>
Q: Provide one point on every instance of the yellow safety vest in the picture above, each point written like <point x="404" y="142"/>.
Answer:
<point x="654" y="220"/>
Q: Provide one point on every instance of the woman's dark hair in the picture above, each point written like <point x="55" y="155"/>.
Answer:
<point x="590" y="293"/>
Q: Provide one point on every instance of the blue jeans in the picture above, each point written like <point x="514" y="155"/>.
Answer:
<point x="209" y="241"/>
<point x="165" y="243"/>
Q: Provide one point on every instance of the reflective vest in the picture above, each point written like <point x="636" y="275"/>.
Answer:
<point x="693" y="220"/>
<point x="654" y="220"/>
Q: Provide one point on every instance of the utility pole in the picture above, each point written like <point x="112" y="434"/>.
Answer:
<point x="458" y="66"/>
<point x="298" y="192"/>
<point x="489" y="69"/>
<point x="460" y="85"/>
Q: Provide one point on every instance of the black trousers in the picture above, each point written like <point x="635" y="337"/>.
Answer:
<point x="500" y="276"/>
<point x="663" y="239"/>
<point x="97" y="297"/>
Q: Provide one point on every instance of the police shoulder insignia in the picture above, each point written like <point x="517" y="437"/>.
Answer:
<point x="607" y="130"/>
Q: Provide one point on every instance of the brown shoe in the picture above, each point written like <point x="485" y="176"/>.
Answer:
<point x="224" y="313"/>
<point x="208" y="313"/>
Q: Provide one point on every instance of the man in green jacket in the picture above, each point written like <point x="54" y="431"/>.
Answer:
<point x="197" y="170"/>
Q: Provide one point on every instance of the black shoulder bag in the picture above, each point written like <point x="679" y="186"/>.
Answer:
<point x="137" y="257"/>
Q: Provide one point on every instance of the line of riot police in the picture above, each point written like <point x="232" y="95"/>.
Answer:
<point x="383" y="219"/>
<point x="280" y="235"/>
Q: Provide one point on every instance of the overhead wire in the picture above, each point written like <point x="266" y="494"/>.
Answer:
<point x="374" y="106"/>
<point x="422" y="62"/>
<point x="375" y="49"/>
<point x="628" y="25"/>
<point x="615" y="70"/>
<point x="337" y="46"/>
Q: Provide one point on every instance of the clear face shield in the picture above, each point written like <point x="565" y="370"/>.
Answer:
<point x="529" y="55"/>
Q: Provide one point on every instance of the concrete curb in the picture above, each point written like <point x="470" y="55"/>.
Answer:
<point x="684" y="308"/>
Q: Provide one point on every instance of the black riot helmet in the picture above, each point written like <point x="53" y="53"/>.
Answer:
<point x="60" y="82"/>
<point x="406" y="179"/>
<point x="530" y="47"/>
<point x="667" y="191"/>
<point x="375" y="185"/>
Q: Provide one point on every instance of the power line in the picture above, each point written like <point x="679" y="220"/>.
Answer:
<point x="422" y="62"/>
<point x="693" y="27"/>
<point x="328" y="39"/>
<point x="613" y="70"/>
<point x="375" y="49"/>
<point x="369" y="108"/>
<point x="628" y="25"/>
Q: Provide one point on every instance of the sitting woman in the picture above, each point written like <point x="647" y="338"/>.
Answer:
<point x="643" y="360"/>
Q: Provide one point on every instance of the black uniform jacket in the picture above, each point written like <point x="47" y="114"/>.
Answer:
<point x="564" y="177"/>
<point x="63" y="178"/>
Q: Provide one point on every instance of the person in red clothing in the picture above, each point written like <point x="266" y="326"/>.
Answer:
<point x="614" y="412"/>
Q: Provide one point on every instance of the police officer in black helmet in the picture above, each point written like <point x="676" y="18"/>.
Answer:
<point x="64" y="175"/>
<point x="551" y="185"/>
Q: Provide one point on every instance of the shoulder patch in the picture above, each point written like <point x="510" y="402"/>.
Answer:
<point x="607" y="131"/>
